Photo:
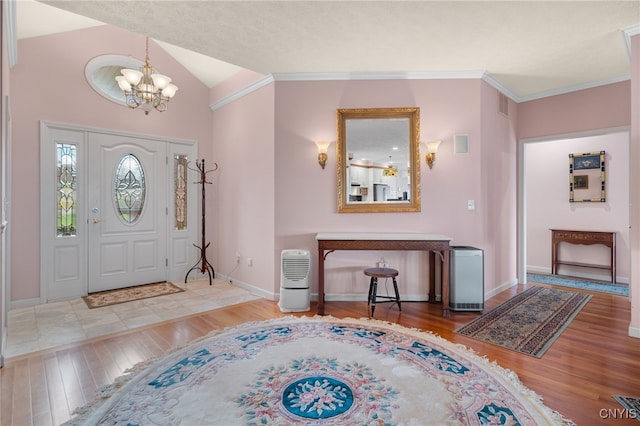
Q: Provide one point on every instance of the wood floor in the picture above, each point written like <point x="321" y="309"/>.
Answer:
<point x="593" y="359"/>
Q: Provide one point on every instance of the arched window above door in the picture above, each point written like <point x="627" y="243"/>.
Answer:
<point x="101" y="73"/>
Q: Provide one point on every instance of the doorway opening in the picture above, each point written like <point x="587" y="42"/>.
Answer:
<point x="543" y="200"/>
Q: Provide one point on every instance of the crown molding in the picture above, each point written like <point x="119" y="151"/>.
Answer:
<point x="353" y="76"/>
<point x="242" y="92"/>
<point x="320" y="76"/>
<point x="493" y="82"/>
<point x="434" y="75"/>
<point x="627" y="33"/>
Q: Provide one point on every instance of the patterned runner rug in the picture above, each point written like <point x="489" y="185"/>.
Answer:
<point x="319" y="371"/>
<point x="113" y="297"/>
<point x="528" y="322"/>
<point x="631" y="407"/>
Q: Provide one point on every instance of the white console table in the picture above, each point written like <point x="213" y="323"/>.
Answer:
<point x="329" y="242"/>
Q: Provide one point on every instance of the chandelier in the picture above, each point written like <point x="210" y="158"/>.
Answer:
<point x="145" y="88"/>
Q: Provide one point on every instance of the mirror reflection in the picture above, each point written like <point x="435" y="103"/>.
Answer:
<point x="378" y="160"/>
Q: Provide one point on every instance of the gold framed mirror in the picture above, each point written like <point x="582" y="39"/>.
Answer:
<point x="587" y="177"/>
<point x="378" y="157"/>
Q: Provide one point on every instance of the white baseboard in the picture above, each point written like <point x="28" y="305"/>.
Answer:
<point x="249" y="287"/>
<point x="634" y="332"/>
<point x="538" y="270"/>
<point x="3" y="341"/>
<point x="500" y="289"/>
<point x="24" y="303"/>
<point x="361" y="297"/>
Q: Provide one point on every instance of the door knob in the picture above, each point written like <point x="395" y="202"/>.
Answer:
<point x="95" y="220"/>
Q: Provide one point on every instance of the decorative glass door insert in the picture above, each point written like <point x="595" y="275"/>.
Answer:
<point x="180" y="192"/>
<point x="67" y="190"/>
<point x="129" y="189"/>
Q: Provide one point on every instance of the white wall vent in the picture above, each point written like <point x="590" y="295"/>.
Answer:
<point x="503" y="104"/>
<point x="460" y="144"/>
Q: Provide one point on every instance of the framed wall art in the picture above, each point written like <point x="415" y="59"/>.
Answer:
<point x="587" y="177"/>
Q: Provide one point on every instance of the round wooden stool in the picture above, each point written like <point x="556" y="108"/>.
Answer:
<point x="376" y="273"/>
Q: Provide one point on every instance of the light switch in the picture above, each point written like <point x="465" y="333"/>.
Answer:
<point x="471" y="205"/>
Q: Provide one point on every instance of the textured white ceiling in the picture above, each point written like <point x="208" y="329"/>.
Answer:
<point x="531" y="48"/>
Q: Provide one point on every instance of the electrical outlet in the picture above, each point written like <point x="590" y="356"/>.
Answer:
<point x="249" y="261"/>
<point x="237" y="258"/>
<point x="471" y="205"/>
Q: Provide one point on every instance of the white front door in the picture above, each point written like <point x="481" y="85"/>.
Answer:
<point x="107" y="223"/>
<point x="127" y="217"/>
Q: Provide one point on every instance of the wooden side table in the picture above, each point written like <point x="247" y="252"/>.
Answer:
<point x="586" y="238"/>
<point x="329" y="242"/>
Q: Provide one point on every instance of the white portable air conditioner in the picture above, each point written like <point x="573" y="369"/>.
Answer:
<point x="294" y="280"/>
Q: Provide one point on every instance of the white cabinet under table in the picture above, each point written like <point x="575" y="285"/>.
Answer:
<point x="329" y="242"/>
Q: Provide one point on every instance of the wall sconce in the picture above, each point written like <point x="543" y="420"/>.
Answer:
<point x="323" y="146"/>
<point x="432" y="149"/>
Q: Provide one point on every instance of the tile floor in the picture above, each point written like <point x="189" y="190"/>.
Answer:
<point x="45" y="326"/>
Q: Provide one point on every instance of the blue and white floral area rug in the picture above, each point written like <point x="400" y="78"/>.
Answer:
<point x="320" y="371"/>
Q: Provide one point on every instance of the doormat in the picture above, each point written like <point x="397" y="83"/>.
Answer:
<point x="129" y="294"/>
<point x="529" y="322"/>
<point x="631" y="407"/>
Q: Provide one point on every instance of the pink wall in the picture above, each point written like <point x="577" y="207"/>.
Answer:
<point x="548" y="206"/>
<point x="498" y="183"/>
<point x="65" y="96"/>
<point x="602" y="107"/>
<point x="243" y="193"/>
<point x="304" y="195"/>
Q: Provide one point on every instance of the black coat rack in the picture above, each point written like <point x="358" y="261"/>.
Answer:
<point x="203" y="263"/>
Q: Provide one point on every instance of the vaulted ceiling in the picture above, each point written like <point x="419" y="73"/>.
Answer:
<point x="530" y="49"/>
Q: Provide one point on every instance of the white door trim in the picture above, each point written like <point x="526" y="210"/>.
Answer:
<point x="179" y="243"/>
<point x="522" y="188"/>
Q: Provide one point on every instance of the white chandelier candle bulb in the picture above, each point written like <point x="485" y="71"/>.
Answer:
<point x="160" y="81"/>
<point x="133" y="77"/>
<point x="124" y="85"/>
<point x="170" y="90"/>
